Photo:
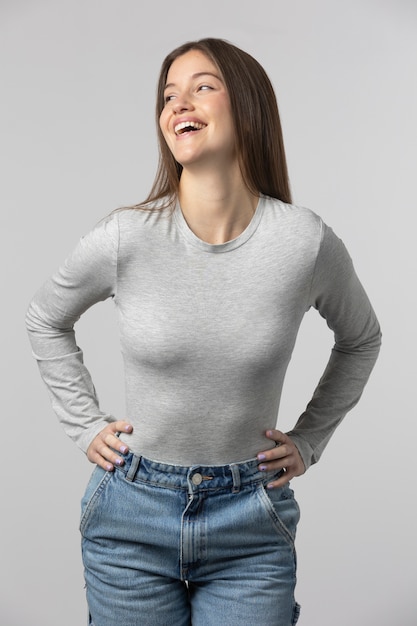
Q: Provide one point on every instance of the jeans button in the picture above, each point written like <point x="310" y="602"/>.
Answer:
<point x="197" y="479"/>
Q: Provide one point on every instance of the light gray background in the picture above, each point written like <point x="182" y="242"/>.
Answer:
<point x="77" y="140"/>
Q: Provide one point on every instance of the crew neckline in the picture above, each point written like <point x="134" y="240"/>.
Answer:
<point x="227" y="246"/>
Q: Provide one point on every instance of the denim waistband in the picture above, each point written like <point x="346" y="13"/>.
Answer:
<point x="194" y="478"/>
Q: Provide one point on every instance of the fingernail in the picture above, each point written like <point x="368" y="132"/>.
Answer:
<point x="123" y="449"/>
<point x="109" y="467"/>
<point x="261" y="457"/>
<point x="119" y="461"/>
<point x="262" y="468"/>
<point x="128" y="427"/>
<point x="270" y="486"/>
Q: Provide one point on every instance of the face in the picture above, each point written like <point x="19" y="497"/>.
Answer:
<point x="196" y="121"/>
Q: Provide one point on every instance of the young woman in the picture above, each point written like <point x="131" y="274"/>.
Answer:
<point x="188" y="517"/>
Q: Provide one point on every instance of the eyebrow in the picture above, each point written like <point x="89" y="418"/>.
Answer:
<point x="194" y="76"/>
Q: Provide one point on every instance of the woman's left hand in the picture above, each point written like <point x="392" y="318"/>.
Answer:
<point x="284" y="456"/>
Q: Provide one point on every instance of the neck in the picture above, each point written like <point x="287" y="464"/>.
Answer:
<point x="217" y="207"/>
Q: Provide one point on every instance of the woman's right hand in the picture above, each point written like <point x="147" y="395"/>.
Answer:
<point x="102" y="449"/>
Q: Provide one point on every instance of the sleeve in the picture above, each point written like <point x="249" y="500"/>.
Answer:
<point x="338" y="295"/>
<point x="88" y="276"/>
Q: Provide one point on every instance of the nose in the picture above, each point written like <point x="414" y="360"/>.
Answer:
<point x="181" y="103"/>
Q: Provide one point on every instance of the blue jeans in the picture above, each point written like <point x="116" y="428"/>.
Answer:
<point x="170" y="545"/>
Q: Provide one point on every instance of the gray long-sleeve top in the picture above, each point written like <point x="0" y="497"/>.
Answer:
<point x="206" y="332"/>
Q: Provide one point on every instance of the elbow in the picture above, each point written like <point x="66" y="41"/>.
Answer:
<point x="367" y="344"/>
<point x="31" y="318"/>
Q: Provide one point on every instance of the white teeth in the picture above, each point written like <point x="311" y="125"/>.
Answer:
<point x="179" y="127"/>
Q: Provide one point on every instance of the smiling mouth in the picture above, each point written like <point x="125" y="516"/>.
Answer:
<point x="186" y="127"/>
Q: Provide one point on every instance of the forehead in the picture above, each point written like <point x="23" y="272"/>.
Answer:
<point x="189" y="64"/>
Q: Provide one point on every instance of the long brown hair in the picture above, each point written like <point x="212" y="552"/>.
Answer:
<point x="254" y="107"/>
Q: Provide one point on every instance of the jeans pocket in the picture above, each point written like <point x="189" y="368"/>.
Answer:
<point x="282" y="508"/>
<point x="95" y="487"/>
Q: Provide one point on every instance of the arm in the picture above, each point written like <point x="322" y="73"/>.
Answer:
<point x="89" y="275"/>
<point x="338" y="295"/>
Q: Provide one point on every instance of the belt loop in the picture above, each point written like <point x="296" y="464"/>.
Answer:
<point x="236" y="478"/>
<point x="134" y="466"/>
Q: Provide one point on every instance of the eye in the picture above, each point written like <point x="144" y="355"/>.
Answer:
<point x="204" y="88"/>
<point x="168" y="98"/>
